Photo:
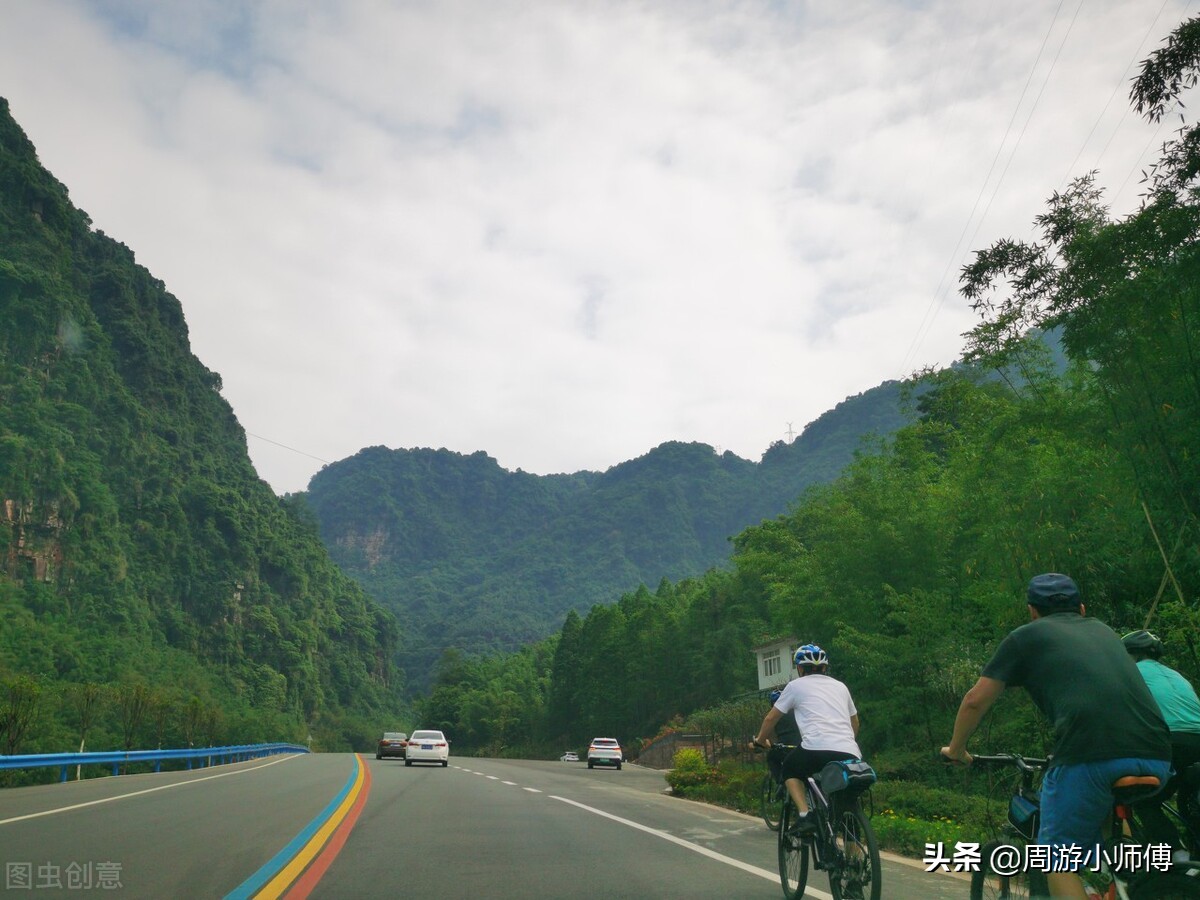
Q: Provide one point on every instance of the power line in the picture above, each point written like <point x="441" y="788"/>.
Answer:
<point x="935" y="300"/>
<point x="286" y="447"/>
<point x="1137" y="162"/>
<point x="1028" y="119"/>
<point x="1116" y="89"/>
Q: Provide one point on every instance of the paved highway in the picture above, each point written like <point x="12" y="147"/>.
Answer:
<point x="341" y="826"/>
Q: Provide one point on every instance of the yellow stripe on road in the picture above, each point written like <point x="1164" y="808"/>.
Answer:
<point x="280" y="883"/>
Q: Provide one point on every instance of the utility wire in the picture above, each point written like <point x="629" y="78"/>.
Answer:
<point x="286" y="447"/>
<point x="1137" y="162"/>
<point x="1025" y="127"/>
<point x="1116" y="89"/>
<point x="935" y="301"/>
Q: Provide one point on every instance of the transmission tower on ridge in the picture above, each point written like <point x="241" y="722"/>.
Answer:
<point x="790" y="433"/>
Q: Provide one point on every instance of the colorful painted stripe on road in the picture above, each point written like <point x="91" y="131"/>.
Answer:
<point x="335" y="821"/>
<point x="302" y="888"/>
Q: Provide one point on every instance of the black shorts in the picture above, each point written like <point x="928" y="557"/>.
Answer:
<point x="801" y="763"/>
<point x="775" y="758"/>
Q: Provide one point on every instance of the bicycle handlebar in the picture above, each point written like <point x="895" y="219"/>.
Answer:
<point x="773" y="745"/>
<point x="1026" y="764"/>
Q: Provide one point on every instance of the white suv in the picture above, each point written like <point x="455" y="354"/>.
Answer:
<point x="604" y="752"/>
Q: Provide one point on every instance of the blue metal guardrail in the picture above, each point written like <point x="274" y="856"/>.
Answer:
<point x="117" y="758"/>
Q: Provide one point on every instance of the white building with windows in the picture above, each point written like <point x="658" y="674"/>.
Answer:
<point x="775" y="667"/>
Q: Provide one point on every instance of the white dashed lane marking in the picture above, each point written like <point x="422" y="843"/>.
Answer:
<point x="664" y="835"/>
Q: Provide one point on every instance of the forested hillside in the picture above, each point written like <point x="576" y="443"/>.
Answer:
<point x="472" y="556"/>
<point x="145" y="565"/>
<point x="911" y="566"/>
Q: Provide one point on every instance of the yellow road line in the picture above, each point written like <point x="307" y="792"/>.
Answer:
<point x="280" y="883"/>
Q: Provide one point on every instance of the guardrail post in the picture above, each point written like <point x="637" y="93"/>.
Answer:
<point x="62" y="774"/>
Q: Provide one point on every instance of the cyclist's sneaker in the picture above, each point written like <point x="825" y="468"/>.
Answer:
<point x="804" y="823"/>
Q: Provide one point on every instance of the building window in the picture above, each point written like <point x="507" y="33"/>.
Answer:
<point x="770" y="662"/>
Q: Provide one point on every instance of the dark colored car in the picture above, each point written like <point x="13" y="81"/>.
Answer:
<point x="393" y="743"/>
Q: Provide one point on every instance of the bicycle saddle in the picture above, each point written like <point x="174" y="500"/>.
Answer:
<point x="1131" y="788"/>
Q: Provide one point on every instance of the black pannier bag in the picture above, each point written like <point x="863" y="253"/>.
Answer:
<point x="852" y="776"/>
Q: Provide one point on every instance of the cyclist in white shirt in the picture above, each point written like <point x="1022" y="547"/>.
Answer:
<point x="828" y="721"/>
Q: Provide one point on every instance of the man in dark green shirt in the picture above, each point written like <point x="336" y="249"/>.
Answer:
<point x="1106" y="724"/>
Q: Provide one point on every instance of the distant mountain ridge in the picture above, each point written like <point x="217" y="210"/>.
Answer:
<point x="473" y="556"/>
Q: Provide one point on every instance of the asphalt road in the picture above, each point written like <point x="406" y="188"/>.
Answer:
<point x="479" y="828"/>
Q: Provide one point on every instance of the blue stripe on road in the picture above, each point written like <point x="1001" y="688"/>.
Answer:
<point x="248" y="887"/>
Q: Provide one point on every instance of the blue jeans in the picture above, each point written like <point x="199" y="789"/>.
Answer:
<point x="1077" y="798"/>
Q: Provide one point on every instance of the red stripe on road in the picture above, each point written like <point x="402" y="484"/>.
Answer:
<point x="314" y="873"/>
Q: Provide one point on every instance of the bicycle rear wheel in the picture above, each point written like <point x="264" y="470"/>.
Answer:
<point x="858" y="875"/>
<point x="793" y="856"/>
<point x="987" y="884"/>
<point x="771" y="801"/>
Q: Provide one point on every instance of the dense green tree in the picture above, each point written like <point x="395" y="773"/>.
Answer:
<point x="469" y="555"/>
<point x="136" y="540"/>
<point x="1125" y="294"/>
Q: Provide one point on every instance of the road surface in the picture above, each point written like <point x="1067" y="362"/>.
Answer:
<point x="341" y="826"/>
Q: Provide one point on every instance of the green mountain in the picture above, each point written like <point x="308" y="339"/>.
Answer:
<point x="137" y="541"/>
<point x="472" y="556"/>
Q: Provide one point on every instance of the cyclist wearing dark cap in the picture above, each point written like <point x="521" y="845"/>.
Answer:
<point x="1106" y="724"/>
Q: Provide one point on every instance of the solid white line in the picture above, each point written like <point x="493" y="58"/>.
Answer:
<point x="161" y="787"/>
<point x="696" y="848"/>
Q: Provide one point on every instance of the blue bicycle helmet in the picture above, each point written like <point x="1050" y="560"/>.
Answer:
<point x="810" y="655"/>
<point x="774" y="695"/>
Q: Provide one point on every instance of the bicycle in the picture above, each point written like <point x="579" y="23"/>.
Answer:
<point x="842" y="843"/>
<point x="771" y="801"/>
<point x="1019" y="880"/>
<point x="772" y="793"/>
<point x="1183" y="815"/>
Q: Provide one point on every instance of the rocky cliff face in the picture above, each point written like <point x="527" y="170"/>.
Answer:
<point x="135" y="535"/>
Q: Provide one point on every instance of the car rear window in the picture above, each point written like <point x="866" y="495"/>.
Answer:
<point x="393" y="735"/>
<point x="427" y="736"/>
<point x="605" y="742"/>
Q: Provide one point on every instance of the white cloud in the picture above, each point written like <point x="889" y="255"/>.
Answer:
<point x="564" y="232"/>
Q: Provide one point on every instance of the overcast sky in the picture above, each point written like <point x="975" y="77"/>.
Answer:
<point x="566" y="232"/>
